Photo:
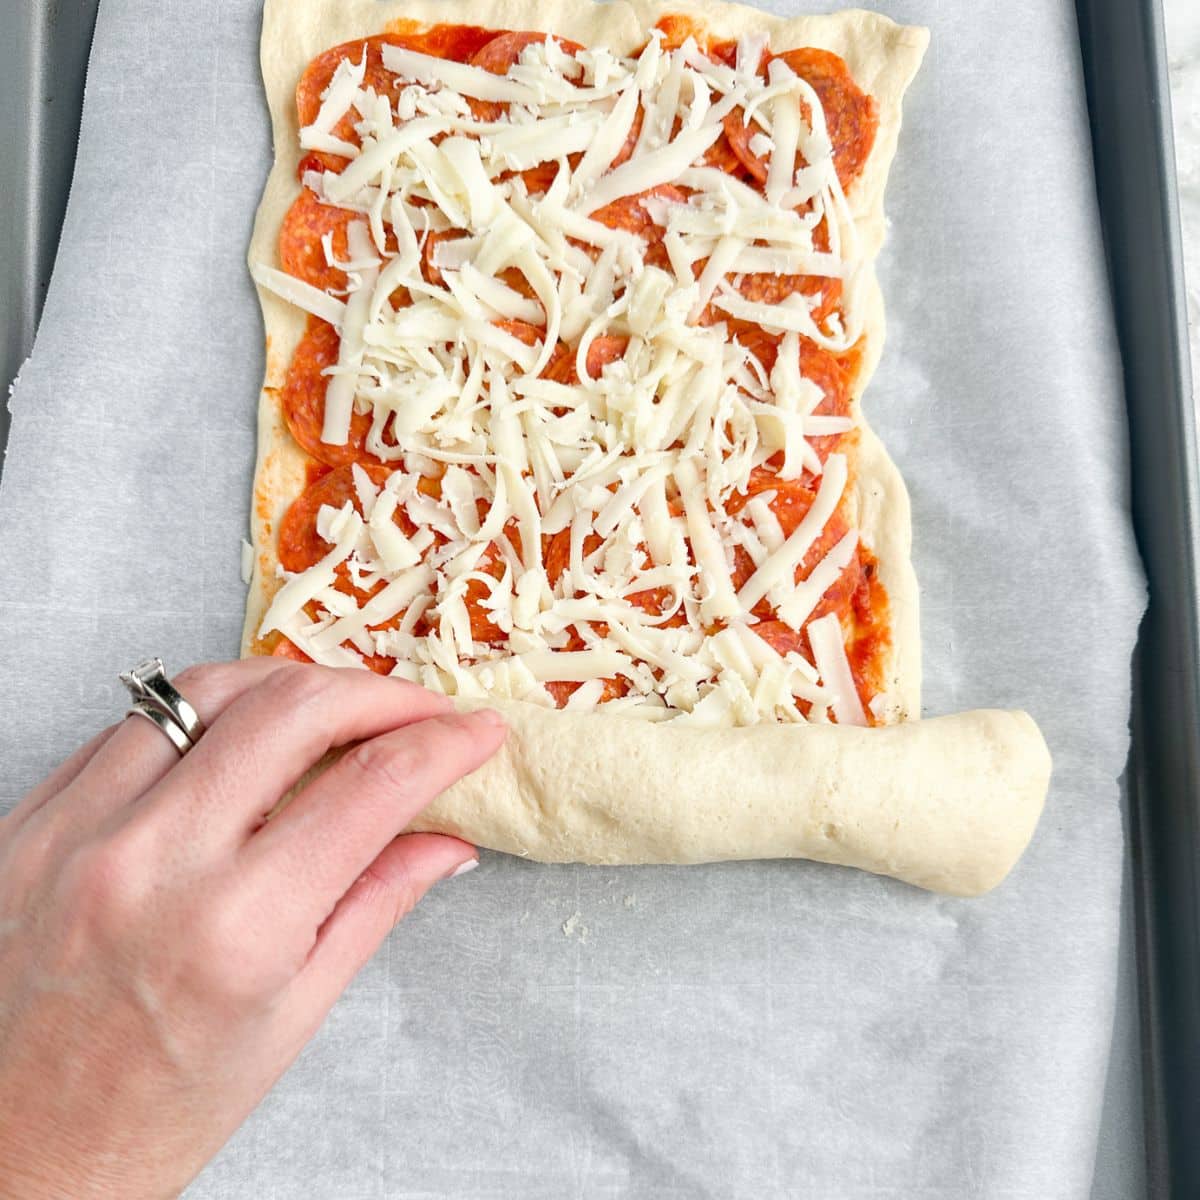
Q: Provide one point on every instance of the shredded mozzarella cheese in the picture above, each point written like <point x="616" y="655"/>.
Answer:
<point x="566" y="375"/>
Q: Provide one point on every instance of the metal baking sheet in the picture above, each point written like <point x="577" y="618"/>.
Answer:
<point x="42" y="68"/>
<point x="1125" y="67"/>
<point x="43" y="63"/>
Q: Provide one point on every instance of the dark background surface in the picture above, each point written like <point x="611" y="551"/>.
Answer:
<point x="43" y="61"/>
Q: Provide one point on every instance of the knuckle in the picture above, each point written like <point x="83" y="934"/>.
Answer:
<point x="207" y="686"/>
<point x="299" y="685"/>
<point x="392" y="764"/>
<point x="105" y="880"/>
<point x="450" y="738"/>
<point x="396" y="897"/>
<point x="30" y="858"/>
<point x="202" y="677"/>
<point x="197" y="674"/>
<point x="218" y="938"/>
<point x="227" y="952"/>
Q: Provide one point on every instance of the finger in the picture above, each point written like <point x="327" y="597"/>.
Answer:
<point x="336" y="827"/>
<point x="385" y="892"/>
<point x="59" y="778"/>
<point x="136" y="755"/>
<point x="266" y="739"/>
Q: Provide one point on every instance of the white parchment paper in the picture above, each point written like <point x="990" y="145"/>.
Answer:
<point x="741" y="1030"/>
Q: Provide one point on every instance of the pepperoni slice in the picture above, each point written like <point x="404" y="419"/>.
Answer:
<point x="563" y="691"/>
<point x="850" y="115"/>
<point x="300" y="546"/>
<point x="432" y="273"/>
<point x="537" y="180"/>
<point x="491" y="562"/>
<point x="458" y="42"/>
<point x="501" y="53"/>
<point x="791" y="500"/>
<point x="302" y="254"/>
<point x="319" y="72"/>
<point x="556" y="553"/>
<point x="556" y="556"/>
<point x="630" y="213"/>
<point x="721" y="155"/>
<point x="635" y="131"/>
<point x="763" y="345"/>
<point x="816" y="364"/>
<point x="380" y="664"/>
<point x="738" y="134"/>
<point x="483" y="628"/>
<point x="561" y="367"/>
<point x="429" y="269"/>
<point x="300" y="250"/>
<point x="657" y="601"/>
<point x="782" y="638"/>
<point x="313" y="161"/>
<point x="304" y="400"/>
<point x="726" y="53"/>
<point x="676" y="29"/>
<point x="826" y="372"/>
<point x="773" y="289"/>
<point x="285" y="648"/>
<point x="522" y="331"/>
<point x="761" y="288"/>
<point x="603" y="350"/>
<point x="790" y="503"/>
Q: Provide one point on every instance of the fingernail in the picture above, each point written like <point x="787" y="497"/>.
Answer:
<point x="489" y="716"/>
<point x="463" y="868"/>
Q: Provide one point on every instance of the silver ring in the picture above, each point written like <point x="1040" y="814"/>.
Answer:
<point x="148" y="682"/>
<point x="179" y="739"/>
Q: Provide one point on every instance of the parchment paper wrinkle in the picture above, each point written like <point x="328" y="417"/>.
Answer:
<point x="745" y="1030"/>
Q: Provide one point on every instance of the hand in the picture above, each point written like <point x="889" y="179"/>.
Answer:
<point x="164" y="954"/>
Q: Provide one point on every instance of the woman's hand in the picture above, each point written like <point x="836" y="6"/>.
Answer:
<point x="164" y="954"/>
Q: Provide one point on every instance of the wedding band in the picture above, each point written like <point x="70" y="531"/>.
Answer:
<point x="148" y="684"/>
<point x="179" y="739"/>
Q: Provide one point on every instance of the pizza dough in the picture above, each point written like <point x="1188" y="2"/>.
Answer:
<point x="946" y="804"/>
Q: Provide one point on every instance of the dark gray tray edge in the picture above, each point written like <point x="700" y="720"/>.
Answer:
<point x="43" y="64"/>
<point x="1125" y="66"/>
